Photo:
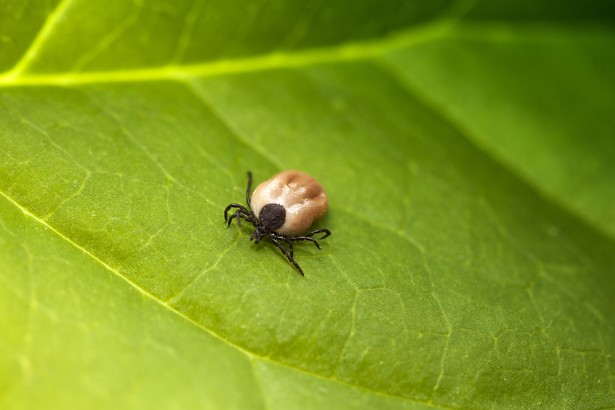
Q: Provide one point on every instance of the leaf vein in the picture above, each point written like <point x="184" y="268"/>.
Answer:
<point x="40" y="39"/>
<point x="274" y="60"/>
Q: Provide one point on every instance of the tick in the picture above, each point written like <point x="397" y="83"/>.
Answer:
<point x="282" y="209"/>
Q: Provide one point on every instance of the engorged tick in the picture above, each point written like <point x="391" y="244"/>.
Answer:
<point x="283" y="208"/>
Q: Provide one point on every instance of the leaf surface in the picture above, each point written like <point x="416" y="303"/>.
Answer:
<point x="471" y="261"/>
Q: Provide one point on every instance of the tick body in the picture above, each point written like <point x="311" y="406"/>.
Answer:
<point x="283" y="208"/>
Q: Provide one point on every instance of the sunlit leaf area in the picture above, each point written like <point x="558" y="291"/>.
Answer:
<point x="467" y="150"/>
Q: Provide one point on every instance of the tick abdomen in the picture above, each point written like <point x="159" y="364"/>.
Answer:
<point x="302" y="197"/>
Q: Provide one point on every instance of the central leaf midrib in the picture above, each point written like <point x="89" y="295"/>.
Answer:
<point x="351" y="51"/>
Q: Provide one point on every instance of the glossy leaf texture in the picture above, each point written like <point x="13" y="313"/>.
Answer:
<point x="466" y="151"/>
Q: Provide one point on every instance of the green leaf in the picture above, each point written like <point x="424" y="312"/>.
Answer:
<point x="467" y="159"/>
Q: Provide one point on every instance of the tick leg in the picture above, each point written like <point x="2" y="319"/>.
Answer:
<point x="309" y="236"/>
<point x="305" y="238"/>
<point x="248" y="189"/>
<point x="290" y="246"/>
<point x="231" y="206"/>
<point x="240" y="214"/>
<point x="249" y="216"/>
<point x="289" y="256"/>
<point x="321" y="230"/>
<point x="286" y="239"/>
<point x="235" y="215"/>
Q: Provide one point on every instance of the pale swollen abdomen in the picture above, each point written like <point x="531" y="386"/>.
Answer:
<point x="302" y="197"/>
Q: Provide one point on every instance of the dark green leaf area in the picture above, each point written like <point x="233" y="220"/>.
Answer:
<point x="159" y="33"/>
<point x="537" y="100"/>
